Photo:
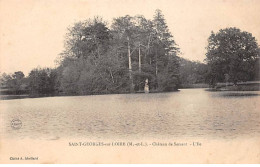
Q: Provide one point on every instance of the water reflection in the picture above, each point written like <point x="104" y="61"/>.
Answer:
<point x="187" y="113"/>
<point x="239" y="94"/>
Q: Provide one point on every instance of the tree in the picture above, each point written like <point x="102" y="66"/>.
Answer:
<point x="233" y="52"/>
<point x="124" y="32"/>
<point x="257" y="69"/>
<point x="83" y="68"/>
<point x="5" y="80"/>
<point x="88" y="39"/>
<point x="192" y="72"/>
<point x="165" y="55"/>
<point x="42" y="81"/>
<point x="15" y="83"/>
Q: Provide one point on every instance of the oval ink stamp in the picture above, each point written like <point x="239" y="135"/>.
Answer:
<point x="16" y="123"/>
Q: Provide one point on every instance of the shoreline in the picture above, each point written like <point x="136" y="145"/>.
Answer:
<point x="25" y="96"/>
<point x="252" y="87"/>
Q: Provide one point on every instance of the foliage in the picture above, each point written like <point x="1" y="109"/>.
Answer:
<point x="231" y="53"/>
<point x="16" y="83"/>
<point x="192" y="72"/>
<point x="97" y="59"/>
<point x="42" y="81"/>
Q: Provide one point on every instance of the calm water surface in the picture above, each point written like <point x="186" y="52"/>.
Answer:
<point x="187" y="113"/>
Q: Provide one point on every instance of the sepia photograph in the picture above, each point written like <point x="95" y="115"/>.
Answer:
<point x="129" y="82"/>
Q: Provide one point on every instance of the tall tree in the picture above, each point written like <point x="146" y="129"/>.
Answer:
<point x="88" y="39"/>
<point x="42" y="81"/>
<point x="165" y="51"/>
<point x="124" y="30"/>
<point x="17" y="81"/>
<point x="144" y="34"/>
<point x="231" y="52"/>
<point x="87" y="43"/>
<point x="5" y="80"/>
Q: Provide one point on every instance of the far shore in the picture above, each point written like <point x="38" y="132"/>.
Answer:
<point x="245" y="86"/>
<point x="241" y="86"/>
<point x="23" y="96"/>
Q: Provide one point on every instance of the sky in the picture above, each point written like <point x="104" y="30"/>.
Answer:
<point x="32" y="31"/>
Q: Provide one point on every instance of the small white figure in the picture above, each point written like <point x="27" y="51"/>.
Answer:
<point x="146" y="86"/>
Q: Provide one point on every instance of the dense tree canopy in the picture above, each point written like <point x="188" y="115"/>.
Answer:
<point x="42" y="81"/>
<point x="97" y="59"/>
<point x="16" y="82"/>
<point x="231" y="55"/>
<point x="192" y="72"/>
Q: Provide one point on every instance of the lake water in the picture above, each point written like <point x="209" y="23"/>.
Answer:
<point x="186" y="113"/>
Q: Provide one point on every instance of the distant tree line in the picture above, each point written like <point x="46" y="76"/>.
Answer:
<point x="97" y="59"/>
<point x="14" y="83"/>
<point x="40" y="81"/>
<point x="192" y="72"/>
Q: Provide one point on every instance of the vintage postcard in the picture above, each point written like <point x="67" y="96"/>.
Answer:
<point x="129" y="81"/>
